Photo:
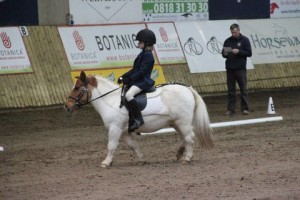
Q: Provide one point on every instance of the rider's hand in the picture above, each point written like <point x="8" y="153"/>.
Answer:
<point x="120" y="80"/>
<point x="126" y="80"/>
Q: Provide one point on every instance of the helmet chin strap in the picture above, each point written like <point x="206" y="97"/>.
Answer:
<point x="148" y="47"/>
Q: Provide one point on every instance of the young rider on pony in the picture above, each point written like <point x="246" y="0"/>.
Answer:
<point x="138" y="79"/>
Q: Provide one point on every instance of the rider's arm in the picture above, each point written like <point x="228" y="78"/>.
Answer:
<point x="127" y="74"/>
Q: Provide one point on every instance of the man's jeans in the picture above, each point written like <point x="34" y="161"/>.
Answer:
<point x="239" y="76"/>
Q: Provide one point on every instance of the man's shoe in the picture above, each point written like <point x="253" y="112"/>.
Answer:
<point x="229" y="113"/>
<point x="245" y="112"/>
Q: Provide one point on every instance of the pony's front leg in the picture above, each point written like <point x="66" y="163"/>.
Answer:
<point x="135" y="147"/>
<point x="114" y="135"/>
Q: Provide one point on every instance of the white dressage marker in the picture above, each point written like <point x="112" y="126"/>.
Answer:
<point x="226" y="124"/>
<point x="1" y="148"/>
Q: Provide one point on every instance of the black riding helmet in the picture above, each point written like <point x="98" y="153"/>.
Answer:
<point x="146" y="36"/>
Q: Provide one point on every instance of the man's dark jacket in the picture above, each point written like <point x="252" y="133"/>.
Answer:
<point x="140" y="74"/>
<point x="239" y="60"/>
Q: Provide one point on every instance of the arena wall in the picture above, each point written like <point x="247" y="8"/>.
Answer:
<point x="51" y="82"/>
<point x="53" y="12"/>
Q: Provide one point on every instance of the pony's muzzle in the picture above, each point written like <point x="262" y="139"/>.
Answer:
<point x="68" y="109"/>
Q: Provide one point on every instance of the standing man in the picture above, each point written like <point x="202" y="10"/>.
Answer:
<point x="236" y="50"/>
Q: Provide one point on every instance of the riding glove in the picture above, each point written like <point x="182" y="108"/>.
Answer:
<point x="120" y="80"/>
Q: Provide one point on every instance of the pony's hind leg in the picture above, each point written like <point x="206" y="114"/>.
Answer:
<point x="189" y="145"/>
<point x="135" y="147"/>
<point x="186" y="148"/>
<point x="114" y="135"/>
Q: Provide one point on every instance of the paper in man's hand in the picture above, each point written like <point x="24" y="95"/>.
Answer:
<point x="227" y="50"/>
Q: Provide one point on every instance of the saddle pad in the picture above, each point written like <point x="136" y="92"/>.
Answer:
<point x="143" y="98"/>
<point x="149" y="103"/>
<point x="154" y="106"/>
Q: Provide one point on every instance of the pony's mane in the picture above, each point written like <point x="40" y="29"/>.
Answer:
<point x="103" y="80"/>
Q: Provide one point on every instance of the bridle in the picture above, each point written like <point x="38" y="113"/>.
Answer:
<point x="84" y="90"/>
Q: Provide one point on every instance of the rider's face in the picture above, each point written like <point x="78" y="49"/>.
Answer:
<point x="141" y="45"/>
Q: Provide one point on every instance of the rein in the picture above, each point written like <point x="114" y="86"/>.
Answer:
<point x="103" y="95"/>
<point x="84" y="90"/>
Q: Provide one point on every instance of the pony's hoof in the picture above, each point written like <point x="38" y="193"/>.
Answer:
<point x="187" y="162"/>
<point x="104" y="165"/>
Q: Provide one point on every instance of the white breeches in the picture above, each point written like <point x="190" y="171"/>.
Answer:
<point x="134" y="90"/>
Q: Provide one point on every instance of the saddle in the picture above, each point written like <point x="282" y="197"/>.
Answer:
<point x="140" y="98"/>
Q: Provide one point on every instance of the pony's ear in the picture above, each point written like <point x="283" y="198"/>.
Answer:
<point x="92" y="81"/>
<point x="82" y="76"/>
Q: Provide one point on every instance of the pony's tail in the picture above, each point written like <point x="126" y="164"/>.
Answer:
<point x="201" y="122"/>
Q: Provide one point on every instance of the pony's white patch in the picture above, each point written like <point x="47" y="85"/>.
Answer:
<point x="154" y="105"/>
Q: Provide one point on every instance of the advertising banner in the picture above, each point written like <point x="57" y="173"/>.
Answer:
<point x="203" y="44"/>
<point x="91" y="47"/>
<point x="113" y="74"/>
<point x="175" y="10"/>
<point x="275" y="41"/>
<point x="13" y="55"/>
<point x="106" y="11"/>
<point x="167" y="47"/>
<point x="284" y="8"/>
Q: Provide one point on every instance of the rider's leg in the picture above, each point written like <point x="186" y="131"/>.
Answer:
<point x="134" y="90"/>
<point x="134" y="108"/>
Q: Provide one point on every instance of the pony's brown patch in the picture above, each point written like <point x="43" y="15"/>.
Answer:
<point x="78" y="84"/>
<point x="92" y="80"/>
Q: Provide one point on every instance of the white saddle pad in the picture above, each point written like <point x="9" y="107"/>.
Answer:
<point x="154" y="104"/>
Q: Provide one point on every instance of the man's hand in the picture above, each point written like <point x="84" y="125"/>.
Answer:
<point x="235" y="51"/>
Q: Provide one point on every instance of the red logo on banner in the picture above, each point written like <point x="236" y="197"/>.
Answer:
<point x="78" y="39"/>
<point x="163" y="34"/>
<point x="273" y="6"/>
<point x="5" y="40"/>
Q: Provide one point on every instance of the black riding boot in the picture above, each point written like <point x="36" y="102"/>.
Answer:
<point x="137" y="119"/>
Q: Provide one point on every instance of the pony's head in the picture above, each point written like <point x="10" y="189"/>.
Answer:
<point x="80" y="93"/>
